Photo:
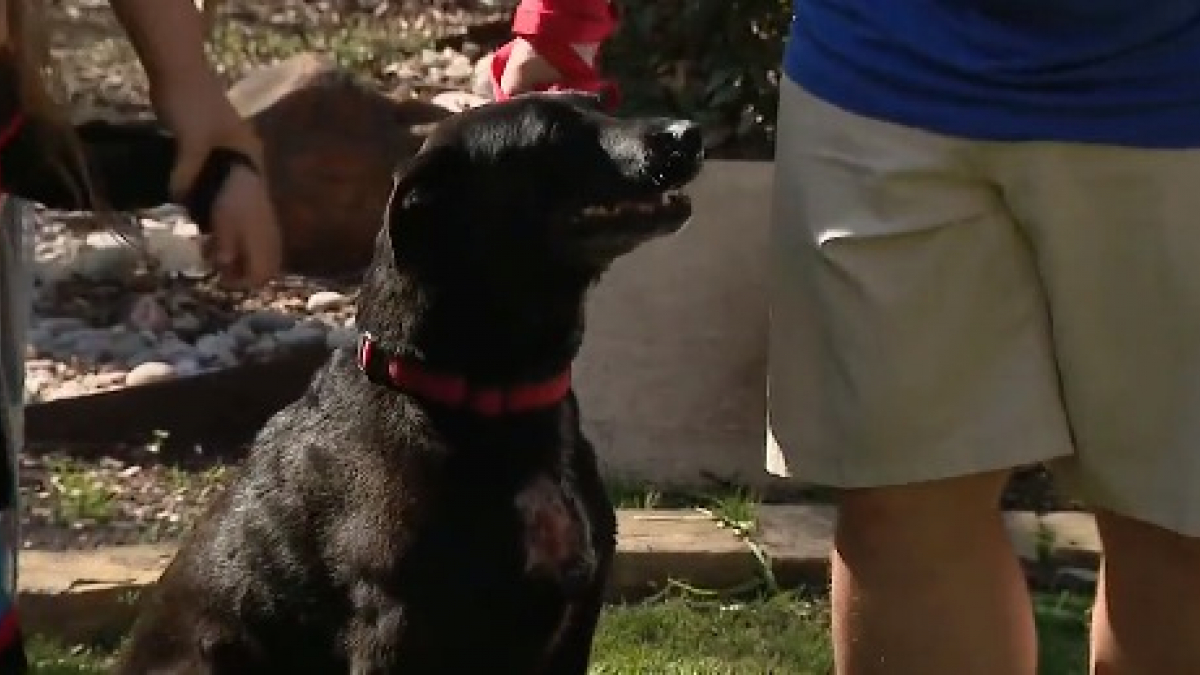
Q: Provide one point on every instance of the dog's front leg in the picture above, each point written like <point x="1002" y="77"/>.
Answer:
<point x="572" y="652"/>
<point x="373" y="636"/>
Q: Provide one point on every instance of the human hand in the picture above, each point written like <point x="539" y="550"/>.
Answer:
<point x="539" y="64"/>
<point x="244" y="245"/>
<point x="526" y="70"/>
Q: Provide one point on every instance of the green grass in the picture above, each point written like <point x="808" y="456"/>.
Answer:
<point x="79" y="496"/>
<point x="734" y="506"/>
<point x="783" y="635"/>
<point x="51" y="659"/>
<point x="676" y="637"/>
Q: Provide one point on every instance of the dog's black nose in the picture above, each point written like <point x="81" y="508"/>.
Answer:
<point x="676" y="148"/>
<point x="678" y="137"/>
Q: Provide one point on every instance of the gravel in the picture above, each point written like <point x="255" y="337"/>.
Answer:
<point x="104" y="318"/>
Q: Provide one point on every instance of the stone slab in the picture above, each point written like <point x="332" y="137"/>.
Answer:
<point x="88" y="595"/>
<point x="797" y="540"/>
<point x="658" y="546"/>
<point x="82" y="596"/>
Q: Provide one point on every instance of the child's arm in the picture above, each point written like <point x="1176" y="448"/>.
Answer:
<point x="190" y="100"/>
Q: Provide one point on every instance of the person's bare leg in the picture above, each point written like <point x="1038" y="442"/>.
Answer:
<point x="925" y="581"/>
<point x="1147" y="615"/>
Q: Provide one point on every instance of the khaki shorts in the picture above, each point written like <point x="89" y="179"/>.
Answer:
<point x="944" y="306"/>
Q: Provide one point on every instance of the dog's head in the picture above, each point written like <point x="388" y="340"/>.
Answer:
<point x="506" y="216"/>
<point x="540" y="184"/>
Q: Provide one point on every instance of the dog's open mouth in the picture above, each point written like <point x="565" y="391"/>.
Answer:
<point x="662" y="212"/>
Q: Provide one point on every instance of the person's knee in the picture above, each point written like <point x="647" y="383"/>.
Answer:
<point x="1137" y="546"/>
<point x="1149" y="572"/>
<point x="919" y="516"/>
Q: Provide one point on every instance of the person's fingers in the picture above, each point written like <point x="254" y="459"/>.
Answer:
<point x="244" y="220"/>
<point x="223" y="249"/>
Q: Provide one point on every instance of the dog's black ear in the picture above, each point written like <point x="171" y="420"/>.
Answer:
<point x="423" y="204"/>
<point x="420" y="186"/>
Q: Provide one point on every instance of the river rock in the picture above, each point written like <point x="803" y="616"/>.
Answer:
<point x="332" y="144"/>
<point x="149" y="373"/>
<point x="325" y="300"/>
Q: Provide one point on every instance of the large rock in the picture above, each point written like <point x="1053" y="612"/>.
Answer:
<point x="332" y="144"/>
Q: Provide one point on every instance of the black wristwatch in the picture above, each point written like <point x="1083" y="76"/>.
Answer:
<point x="199" y="199"/>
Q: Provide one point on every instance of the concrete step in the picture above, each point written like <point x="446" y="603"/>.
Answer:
<point x="82" y="596"/>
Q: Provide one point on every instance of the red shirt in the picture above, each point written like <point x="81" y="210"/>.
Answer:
<point x="552" y="26"/>
<point x="571" y="21"/>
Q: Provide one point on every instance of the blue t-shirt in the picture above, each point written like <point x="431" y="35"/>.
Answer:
<point x="1123" y="72"/>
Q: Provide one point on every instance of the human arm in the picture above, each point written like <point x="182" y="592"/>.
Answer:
<point x="190" y="101"/>
<point x="128" y="167"/>
<point x="189" y="98"/>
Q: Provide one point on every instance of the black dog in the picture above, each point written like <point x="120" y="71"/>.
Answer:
<point x="430" y="506"/>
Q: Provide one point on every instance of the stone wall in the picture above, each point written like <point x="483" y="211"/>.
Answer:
<point x="672" y="380"/>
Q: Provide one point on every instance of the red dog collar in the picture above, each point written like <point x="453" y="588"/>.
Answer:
<point x="411" y="377"/>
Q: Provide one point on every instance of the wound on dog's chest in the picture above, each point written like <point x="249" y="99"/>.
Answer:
<point x="556" y="534"/>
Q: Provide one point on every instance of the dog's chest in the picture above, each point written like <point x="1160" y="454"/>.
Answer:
<point x="497" y="541"/>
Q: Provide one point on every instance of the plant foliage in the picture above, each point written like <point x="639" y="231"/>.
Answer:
<point x="715" y="61"/>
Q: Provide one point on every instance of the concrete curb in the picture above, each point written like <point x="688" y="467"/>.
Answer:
<point x="79" y="597"/>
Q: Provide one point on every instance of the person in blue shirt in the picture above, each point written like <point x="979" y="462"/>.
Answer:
<point x="986" y="255"/>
